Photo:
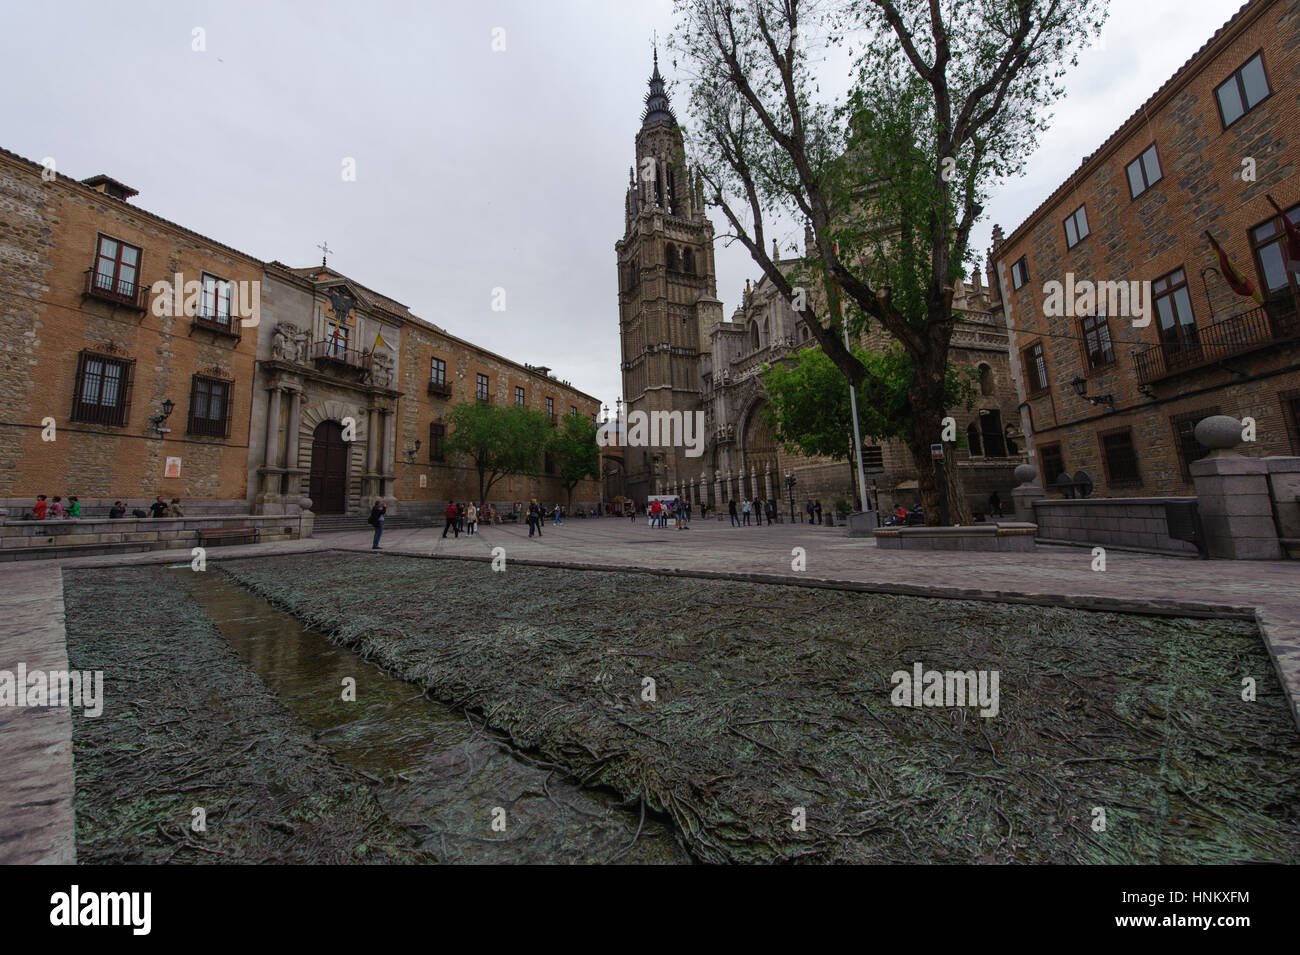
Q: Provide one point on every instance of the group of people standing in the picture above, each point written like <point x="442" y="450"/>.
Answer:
<point x="676" y="510"/>
<point x="755" y="509"/>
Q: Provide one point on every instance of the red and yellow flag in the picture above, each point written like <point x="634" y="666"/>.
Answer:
<point x="1235" y="279"/>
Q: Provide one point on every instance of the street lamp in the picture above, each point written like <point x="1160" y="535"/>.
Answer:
<point x="155" y="421"/>
<point x="410" y="452"/>
<point x="1080" y="386"/>
<point x="789" y="483"/>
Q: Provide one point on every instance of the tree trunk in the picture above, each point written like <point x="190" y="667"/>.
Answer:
<point x="927" y="429"/>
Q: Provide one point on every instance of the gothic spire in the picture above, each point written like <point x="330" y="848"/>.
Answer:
<point x="657" y="110"/>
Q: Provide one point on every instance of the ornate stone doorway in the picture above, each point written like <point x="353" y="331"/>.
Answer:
<point x="329" y="469"/>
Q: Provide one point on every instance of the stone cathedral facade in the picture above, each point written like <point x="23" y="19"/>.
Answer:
<point x="679" y="354"/>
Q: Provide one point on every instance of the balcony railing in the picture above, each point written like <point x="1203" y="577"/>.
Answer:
<point x="440" y="388"/>
<point x="329" y="352"/>
<point x="1249" y="331"/>
<point x="220" y="325"/>
<point x="130" y="294"/>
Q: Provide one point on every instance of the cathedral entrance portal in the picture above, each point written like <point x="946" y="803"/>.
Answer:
<point x="329" y="469"/>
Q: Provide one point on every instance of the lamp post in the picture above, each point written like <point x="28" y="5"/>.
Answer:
<point x="789" y="483"/>
<point x="1080" y="386"/>
<point x="155" y="421"/>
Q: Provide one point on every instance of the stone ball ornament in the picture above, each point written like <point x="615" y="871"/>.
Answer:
<point x="1218" y="432"/>
<point x="1026" y="473"/>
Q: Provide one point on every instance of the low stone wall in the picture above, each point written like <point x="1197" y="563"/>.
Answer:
<point x="1008" y="536"/>
<point x="61" y="538"/>
<point x="1133" y="522"/>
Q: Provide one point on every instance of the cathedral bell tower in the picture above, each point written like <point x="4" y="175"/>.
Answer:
<point x="667" y="294"/>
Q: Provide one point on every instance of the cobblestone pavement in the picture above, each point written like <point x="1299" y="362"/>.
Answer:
<point x="35" y="745"/>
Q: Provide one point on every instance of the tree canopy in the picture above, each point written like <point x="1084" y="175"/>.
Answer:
<point x="498" y="440"/>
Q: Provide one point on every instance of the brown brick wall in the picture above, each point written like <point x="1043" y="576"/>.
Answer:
<point x="1163" y="229"/>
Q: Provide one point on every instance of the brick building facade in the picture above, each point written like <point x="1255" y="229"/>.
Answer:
<point x="96" y="341"/>
<point x="109" y="311"/>
<point x="1203" y="155"/>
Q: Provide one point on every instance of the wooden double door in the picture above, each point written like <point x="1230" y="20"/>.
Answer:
<point x="329" y="469"/>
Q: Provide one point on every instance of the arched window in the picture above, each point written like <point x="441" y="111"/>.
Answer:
<point x="753" y="336"/>
<point x="973" y="439"/>
<point x="986" y="380"/>
<point x="767" y="335"/>
<point x="670" y="258"/>
<point x="688" y="261"/>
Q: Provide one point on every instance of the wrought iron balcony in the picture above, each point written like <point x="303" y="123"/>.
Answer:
<point x="119" y="292"/>
<point x="230" y="325"/>
<point x="441" y="389"/>
<point x="334" y="353"/>
<point x="1249" y="331"/>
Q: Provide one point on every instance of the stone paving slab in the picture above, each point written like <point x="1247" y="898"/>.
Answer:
<point x="36" y="784"/>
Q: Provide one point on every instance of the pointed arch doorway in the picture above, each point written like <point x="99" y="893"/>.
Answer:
<point x="329" y="469"/>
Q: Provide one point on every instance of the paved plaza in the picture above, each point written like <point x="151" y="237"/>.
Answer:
<point x="38" y="823"/>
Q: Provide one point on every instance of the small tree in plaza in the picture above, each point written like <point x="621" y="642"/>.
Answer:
<point x="574" y="452"/>
<point x="499" y="440"/>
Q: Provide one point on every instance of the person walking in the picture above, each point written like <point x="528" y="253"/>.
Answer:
<point x="449" y="520"/>
<point x="758" y="512"/>
<point x="534" y="518"/>
<point x="744" y="512"/>
<point x="817" y="511"/>
<point x="808" y="509"/>
<point x="731" y="509"/>
<point x="376" y="520"/>
<point x="771" y="512"/>
<point x="471" y="518"/>
<point x="556" y="520"/>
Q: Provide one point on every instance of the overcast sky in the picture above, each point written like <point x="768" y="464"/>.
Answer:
<point x="475" y="169"/>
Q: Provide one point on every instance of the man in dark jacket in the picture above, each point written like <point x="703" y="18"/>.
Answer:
<point x="451" y="520"/>
<point x="376" y="520"/>
<point x="731" y="509"/>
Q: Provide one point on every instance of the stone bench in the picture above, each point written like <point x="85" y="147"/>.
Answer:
<point x="1007" y="536"/>
<point x="228" y="535"/>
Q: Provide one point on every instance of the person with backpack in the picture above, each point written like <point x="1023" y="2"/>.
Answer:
<point x="450" y="515"/>
<point x="376" y="520"/>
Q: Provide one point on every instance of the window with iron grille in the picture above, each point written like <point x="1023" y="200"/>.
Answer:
<point x="102" y="389"/>
<point x="215" y="300"/>
<point x="520" y="397"/>
<point x="1144" y="172"/>
<point x="481" y="387"/>
<point x="1120" y="457"/>
<point x="1291" y="415"/>
<point x="1035" y="368"/>
<point x="117" y="267"/>
<point x="1096" y="341"/>
<point x="1076" y="227"/>
<point x="1052" y="463"/>
<point x="436" y="434"/>
<point x="1020" y="272"/>
<point x="1242" y="91"/>
<point x="437" y="371"/>
<point x="1189" y="449"/>
<point x="210" y="406"/>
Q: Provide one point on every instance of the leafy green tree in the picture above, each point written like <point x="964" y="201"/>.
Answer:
<point x="575" y="453"/>
<point x="498" y="440"/>
<point x="944" y="98"/>
<point x="810" y="412"/>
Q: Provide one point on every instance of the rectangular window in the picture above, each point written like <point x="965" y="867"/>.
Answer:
<point x="1144" y="172"/>
<point x="336" y="346"/>
<point x="1052" y="464"/>
<point x="573" y="410"/>
<point x="1189" y="449"/>
<point x="1020" y="272"/>
<point x="437" y="371"/>
<point x="1096" y="341"/>
<point x="214" y="302"/>
<point x="873" y="456"/>
<point x="117" y="268"/>
<point x="1076" y="227"/>
<point x="210" y="407"/>
<point x="436" y="433"/>
<point x="1121" y="460"/>
<point x="550" y="408"/>
<point x="1242" y="91"/>
<point x="520" y="396"/>
<point x="1173" y="305"/>
<point x="481" y="388"/>
<point x="1268" y="243"/>
<point x="1035" y="368"/>
<point x="991" y="434"/>
<point x="101" y="390"/>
